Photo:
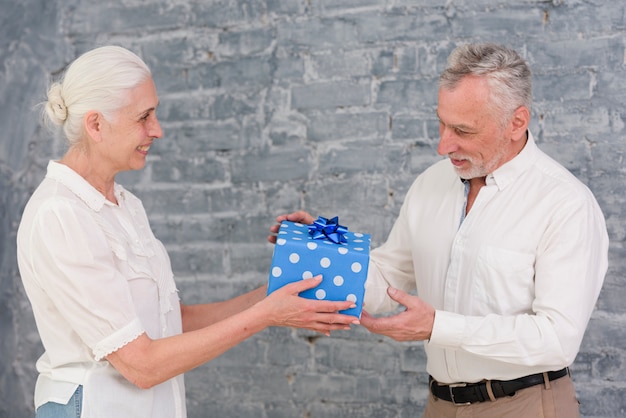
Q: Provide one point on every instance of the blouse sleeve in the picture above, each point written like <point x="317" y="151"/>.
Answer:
<point x="74" y="265"/>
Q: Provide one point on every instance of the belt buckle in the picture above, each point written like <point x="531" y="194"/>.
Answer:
<point x="457" y="385"/>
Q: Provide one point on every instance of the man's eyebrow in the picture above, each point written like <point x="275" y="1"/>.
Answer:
<point x="460" y="126"/>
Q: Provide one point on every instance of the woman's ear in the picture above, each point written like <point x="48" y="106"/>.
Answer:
<point x="93" y="125"/>
<point x="519" y="123"/>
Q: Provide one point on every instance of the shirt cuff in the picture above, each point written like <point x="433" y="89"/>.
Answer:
<point x="448" y="329"/>
<point x="118" y="339"/>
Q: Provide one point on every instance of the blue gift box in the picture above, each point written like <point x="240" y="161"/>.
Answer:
<point x="343" y="265"/>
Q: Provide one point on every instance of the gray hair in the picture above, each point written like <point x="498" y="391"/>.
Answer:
<point x="507" y="74"/>
<point x="98" y="80"/>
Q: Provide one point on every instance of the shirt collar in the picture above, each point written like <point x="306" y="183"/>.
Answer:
<point x="511" y="170"/>
<point x="79" y="186"/>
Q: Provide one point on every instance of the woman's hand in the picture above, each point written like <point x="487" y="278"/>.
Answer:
<point x="284" y="307"/>
<point x="146" y="362"/>
<point x="299" y="216"/>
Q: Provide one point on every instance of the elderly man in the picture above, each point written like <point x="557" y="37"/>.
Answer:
<point x="506" y="250"/>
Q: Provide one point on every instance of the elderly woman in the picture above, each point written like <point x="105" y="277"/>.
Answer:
<point x="117" y="339"/>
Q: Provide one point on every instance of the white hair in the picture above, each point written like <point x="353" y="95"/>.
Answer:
<point x="507" y="74"/>
<point x="99" y="80"/>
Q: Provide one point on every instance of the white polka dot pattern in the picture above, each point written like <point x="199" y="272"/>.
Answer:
<point x="343" y="266"/>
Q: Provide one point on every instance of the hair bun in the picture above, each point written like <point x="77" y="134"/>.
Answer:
<point x="56" y="105"/>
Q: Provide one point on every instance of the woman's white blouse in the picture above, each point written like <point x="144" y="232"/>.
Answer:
<point x="97" y="278"/>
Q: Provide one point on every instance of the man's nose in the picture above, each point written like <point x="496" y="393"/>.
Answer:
<point x="447" y="141"/>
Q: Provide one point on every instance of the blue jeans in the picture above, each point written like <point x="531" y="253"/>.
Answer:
<point x="71" y="409"/>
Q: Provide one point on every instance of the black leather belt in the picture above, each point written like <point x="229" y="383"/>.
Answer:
<point x="467" y="393"/>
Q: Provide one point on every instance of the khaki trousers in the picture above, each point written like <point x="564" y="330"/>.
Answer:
<point x="555" y="399"/>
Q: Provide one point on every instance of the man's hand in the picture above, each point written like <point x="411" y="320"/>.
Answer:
<point x="414" y="324"/>
<point x="299" y="216"/>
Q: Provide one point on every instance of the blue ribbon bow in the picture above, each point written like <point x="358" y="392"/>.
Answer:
<point x="328" y="229"/>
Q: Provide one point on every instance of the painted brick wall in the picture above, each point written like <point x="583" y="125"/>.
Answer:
<point x="274" y="105"/>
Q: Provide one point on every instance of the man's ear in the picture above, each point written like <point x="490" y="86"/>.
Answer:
<point x="519" y="123"/>
<point x="93" y="125"/>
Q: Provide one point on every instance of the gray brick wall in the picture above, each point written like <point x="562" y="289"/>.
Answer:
<point x="326" y="105"/>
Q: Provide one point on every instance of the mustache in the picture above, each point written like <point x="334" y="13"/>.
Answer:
<point x="459" y="157"/>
